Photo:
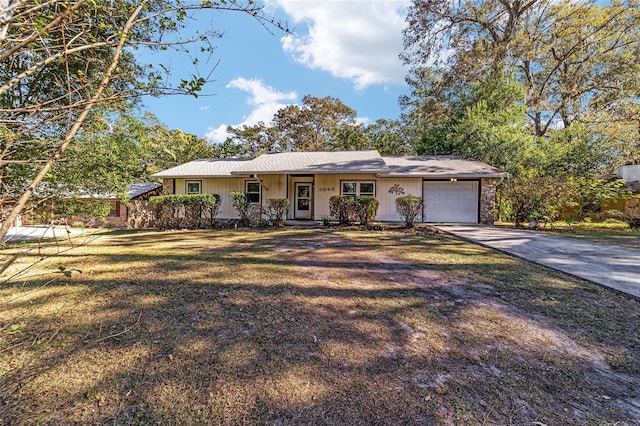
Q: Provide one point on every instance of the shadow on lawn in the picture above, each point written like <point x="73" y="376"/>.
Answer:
<point x="347" y="336"/>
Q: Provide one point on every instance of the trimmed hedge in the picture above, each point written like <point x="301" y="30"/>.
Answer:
<point x="193" y="211"/>
<point x="348" y="209"/>
<point x="409" y="207"/>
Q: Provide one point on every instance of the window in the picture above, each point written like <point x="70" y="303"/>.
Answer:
<point x="253" y="192"/>
<point x="115" y="208"/>
<point x="358" y="188"/>
<point x="194" y="187"/>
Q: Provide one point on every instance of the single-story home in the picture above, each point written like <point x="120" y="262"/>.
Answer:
<point x="454" y="189"/>
<point x="119" y="214"/>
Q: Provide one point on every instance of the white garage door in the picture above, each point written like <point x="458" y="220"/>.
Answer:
<point x="453" y="202"/>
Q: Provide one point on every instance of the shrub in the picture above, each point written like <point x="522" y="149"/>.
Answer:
<point x="346" y="209"/>
<point x="250" y="213"/>
<point x="77" y="224"/>
<point x="277" y="209"/>
<point x="366" y="208"/>
<point x="409" y="207"/>
<point x="185" y="211"/>
<point x="340" y="209"/>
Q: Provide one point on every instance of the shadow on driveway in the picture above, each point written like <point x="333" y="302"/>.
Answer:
<point x="611" y="266"/>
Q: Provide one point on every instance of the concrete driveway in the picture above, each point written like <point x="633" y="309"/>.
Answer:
<point x="610" y="266"/>
<point x="22" y="233"/>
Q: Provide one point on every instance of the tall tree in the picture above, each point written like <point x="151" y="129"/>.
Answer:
<point x="318" y="125"/>
<point x="576" y="60"/>
<point x="60" y="59"/>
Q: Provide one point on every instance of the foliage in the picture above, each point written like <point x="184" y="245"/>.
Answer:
<point x="342" y="208"/>
<point x="535" y="198"/>
<point x="56" y="208"/>
<point x="320" y="124"/>
<point x="192" y="211"/>
<point x="409" y="207"/>
<point x="60" y="60"/>
<point x="574" y="60"/>
<point x="589" y="194"/>
<point x="347" y="209"/>
<point x="366" y="208"/>
<point x="250" y="213"/>
<point x="276" y="210"/>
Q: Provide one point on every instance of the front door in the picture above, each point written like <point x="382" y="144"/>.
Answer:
<point x="303" y="201"/>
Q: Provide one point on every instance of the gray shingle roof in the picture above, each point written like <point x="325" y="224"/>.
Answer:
<point x="141" y="188"/>
<point x="436" y="167"/>
<point x="208" y="167"/>
<point x="439" y="167"/>
<point x="316" y="162"/>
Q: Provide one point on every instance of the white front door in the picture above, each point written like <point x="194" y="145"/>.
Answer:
<point x="453" y="202"/>
<point x="303" y="200"/>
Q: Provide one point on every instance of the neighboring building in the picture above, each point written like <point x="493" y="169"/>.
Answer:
<point x="120" y="213"/>
<point x="454" y="189"/>
<point x="630" y="207"/>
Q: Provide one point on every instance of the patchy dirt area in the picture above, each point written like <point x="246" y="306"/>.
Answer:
<point x="323" y="326"/>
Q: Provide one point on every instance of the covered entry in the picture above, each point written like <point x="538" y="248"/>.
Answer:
<point x="451" y="201"/>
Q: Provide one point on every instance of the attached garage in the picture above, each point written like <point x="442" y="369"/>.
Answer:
<point x="451" y="201"/>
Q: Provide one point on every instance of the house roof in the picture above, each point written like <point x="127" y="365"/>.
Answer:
<point x="208" y="167"/>
<point x="435" y="167"/>
<point x="439" y="167"/>
<point x="315" y="162"/>
<point x="141" y="188"/>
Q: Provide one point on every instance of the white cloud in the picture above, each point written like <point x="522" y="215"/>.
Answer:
<point x="205" y="108"/>
<point x="358" y="40"/>
<point x="265" y="100"/>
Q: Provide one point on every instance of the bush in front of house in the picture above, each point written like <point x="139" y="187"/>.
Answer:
<point x="409" y="207"/>
<point x="250" y="213"/>
<point x="194" y="211"/>
<point x="276" y="210"/>
<point x="348" y="209"/>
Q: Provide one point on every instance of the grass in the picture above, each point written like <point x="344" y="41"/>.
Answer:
<point x="324" y="326"/>
<point x="616" y="233"/>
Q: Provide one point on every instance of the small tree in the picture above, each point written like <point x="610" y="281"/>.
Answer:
<point x="277" y="209"/>
<point x="537" y="198"/>
<point x="409" y="207"/>
<point x="367" y="207"/>
<point x="249" y="212"/>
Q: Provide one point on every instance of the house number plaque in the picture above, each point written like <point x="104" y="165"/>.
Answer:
<point x="327" y="189"/>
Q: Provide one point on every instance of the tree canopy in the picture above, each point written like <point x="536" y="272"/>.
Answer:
<point x="61" y="59"/>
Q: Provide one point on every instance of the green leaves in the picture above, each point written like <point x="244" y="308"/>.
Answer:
<point x="15" y="328"/>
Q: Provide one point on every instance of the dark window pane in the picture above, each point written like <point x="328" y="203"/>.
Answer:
<point x="366" y="188"/>
<point x="253" y="197"/>
<point x="303" y="204"/>
<point x="253" y="187"/>
<point x="348" y="188"/>
<point x="193" y="187"/>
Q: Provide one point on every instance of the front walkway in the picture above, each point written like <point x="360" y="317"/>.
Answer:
<point x="607" y="265"/>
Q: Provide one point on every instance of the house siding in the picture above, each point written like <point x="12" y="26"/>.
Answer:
<point x="326" y="186"/>
<point x="387" y="192"/>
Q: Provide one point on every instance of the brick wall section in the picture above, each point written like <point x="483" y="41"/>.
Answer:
<point x="488" y="200"/>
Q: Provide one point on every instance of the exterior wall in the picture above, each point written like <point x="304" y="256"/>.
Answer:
<point x="488" y="200"/>
<point x="326" y="186"/>
<point x="273" y="186"/>
<point x="220" y="186"/>
<point x="391" y="188"/>
<point x="167" y="185"/>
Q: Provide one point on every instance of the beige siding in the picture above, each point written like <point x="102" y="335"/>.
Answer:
<point x="387" y="209"/>
<point x="327" y="186"/>
<point x="273" y="186"/>
<point x="220" y="186"/>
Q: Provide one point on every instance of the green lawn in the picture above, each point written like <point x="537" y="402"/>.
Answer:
<point x="320" y="326"/>
<point x="618" y="234"/>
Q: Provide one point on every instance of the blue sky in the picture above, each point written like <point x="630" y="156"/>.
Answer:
<point x="342" y="48"/>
